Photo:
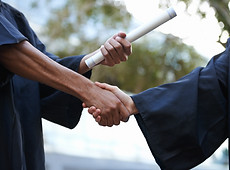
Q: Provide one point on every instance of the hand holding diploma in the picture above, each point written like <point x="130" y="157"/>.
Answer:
<point x="115" y="50"/>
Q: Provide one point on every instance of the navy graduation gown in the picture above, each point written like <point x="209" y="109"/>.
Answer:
<point x="24" y="102"/>
<point x="186" y="121"/>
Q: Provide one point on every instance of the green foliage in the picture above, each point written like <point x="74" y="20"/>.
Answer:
<point x="88" y="22"/>
<point x="81" y="26"/>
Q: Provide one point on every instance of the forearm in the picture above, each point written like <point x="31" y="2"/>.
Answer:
<point x="23" y="59"/>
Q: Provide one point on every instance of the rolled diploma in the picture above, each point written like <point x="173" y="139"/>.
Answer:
<point x="136" y="34"/>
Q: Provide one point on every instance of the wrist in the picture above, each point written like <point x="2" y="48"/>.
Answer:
<point x="132" y="107"/>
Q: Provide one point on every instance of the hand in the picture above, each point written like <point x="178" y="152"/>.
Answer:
<point x="116" y="49"/>
<point x="125" y="99"/>
<point x="112" y="110"/>
<point x="122" y="96"/>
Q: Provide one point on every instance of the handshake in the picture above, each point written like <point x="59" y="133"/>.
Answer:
<point x="118" y="110"/>
<point x="108" y="104"/>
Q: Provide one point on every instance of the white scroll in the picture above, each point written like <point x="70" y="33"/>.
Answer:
<point x="137" y="33"/>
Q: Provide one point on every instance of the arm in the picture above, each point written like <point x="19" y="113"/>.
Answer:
<point x="25" y="60"/>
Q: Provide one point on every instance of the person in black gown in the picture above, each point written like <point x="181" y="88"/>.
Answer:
<point x="36" y="84"/>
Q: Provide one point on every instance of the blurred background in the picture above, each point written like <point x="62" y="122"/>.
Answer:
<point x="70" y="27"/>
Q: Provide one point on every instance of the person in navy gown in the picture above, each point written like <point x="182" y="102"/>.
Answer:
<point x="183" y="122"/>
<point x="35" y="84"/>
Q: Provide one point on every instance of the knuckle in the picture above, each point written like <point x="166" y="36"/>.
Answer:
<point x="129" y="46"/>
<point x="111" y="64"/>
<point x="118" y="47"/>
<point x="118" y="104"/>
<point x="101" y="124"/>
<point x="117" y="123"/>
<point x="116" y="88"/>
<point x="109" y="48"/>
<point x="117" y="62"/>
<point x="112" y="108"/>
<point x="105" y="53"/>
<point x="123" y="58"/>
<point x="110" y="40"/>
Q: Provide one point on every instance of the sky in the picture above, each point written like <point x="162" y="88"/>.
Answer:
<point x="202" y="34"/>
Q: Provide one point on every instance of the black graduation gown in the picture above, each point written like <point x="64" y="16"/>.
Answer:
<point x="24" y="102"/>
<point x="186" y="121"/>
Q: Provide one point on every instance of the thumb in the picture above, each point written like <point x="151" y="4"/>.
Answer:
<point x="104" y="86"/>
<point x="101" y="85"/>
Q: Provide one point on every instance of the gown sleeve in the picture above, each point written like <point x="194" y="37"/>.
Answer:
<point x="56" y="106"/>
<point x="186" y="121"/>
<point x="59" y="107"/>
<point x="9" y="34"/>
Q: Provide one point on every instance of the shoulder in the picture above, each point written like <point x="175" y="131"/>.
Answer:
<point x="8" y="10"/>
<point x="12" y="25"/>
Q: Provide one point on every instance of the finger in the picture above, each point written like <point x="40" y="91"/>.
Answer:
<point x="92" y="109"/>
<point x="122" y="34"/>
<point x="102" y="122"/>
<point x="112" y="51"/>
<point x="110" y="119"/>
<point x="119" y="52"/>
<point x="105" y="86"/>
<point x="96" y="113"/>
<point x="101" y="85"/>
<point x="120" y="37"/>
<point x="98" y="119"/>
<point x="125" y="119"/>
<point x="84" y="105"/>
<point x="116" y="120"/>
<point x="125" y="44"/>
<point x="113" y="116"/>
<point x="108" y="58"/>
